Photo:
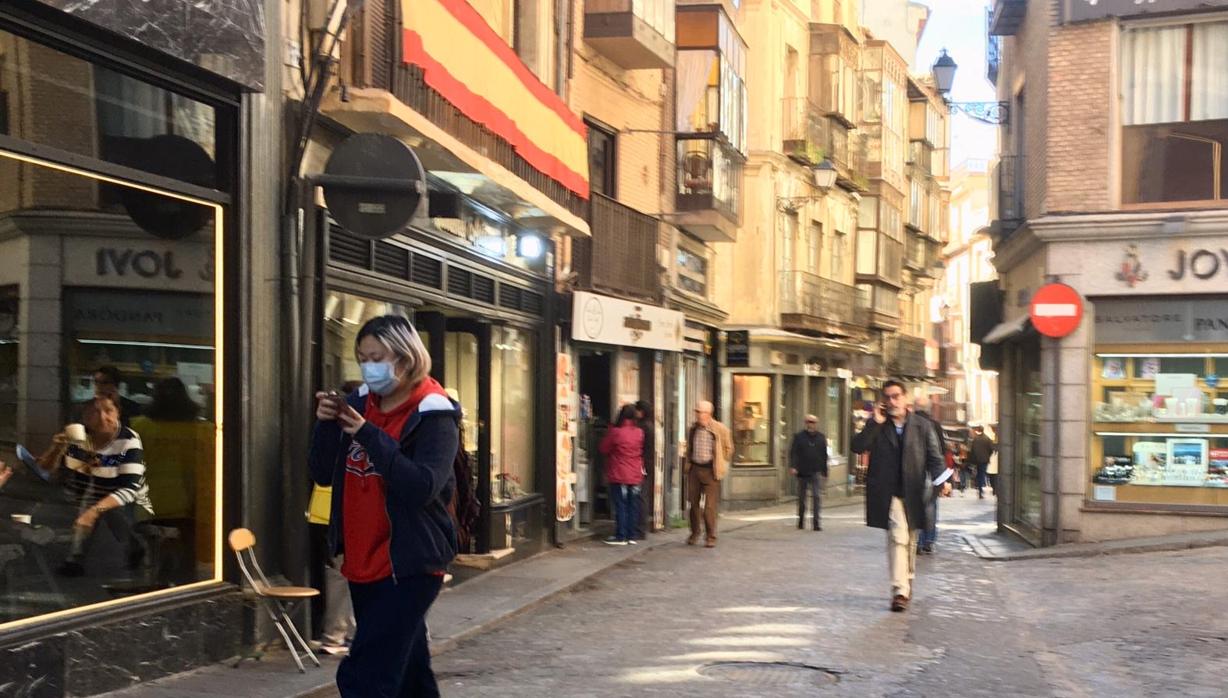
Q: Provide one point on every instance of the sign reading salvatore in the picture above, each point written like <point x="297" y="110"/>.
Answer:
<point x="1081" y="10"/>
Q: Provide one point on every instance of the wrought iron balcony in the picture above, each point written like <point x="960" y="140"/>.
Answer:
<point x="809" y="302"/>
<point x="632" y="33"/>
<point x="906" y="356"/>
<point x="1007" y="17"/>
<point x="1009" y="176"/>
<point x="621" y="255"/>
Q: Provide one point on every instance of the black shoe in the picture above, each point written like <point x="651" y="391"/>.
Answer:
<point x="928" y="548"/>
<point x="818" y="526"/>
<point x="800" y="525"/>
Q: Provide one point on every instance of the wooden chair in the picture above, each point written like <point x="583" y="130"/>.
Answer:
<point x="278" y="602"/>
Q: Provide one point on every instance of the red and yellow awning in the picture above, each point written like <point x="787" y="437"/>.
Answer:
<point x="465" y="61"/>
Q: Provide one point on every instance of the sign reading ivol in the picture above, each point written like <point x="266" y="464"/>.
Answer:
<point x="1082" y="10"/>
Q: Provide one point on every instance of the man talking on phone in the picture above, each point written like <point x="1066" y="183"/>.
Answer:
<point x="905" y="461"/>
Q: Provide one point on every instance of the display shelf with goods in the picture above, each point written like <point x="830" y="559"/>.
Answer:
<point x="1160" y="425"/>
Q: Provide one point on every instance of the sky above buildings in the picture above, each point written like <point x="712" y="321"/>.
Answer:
<point x="959" y="27"/>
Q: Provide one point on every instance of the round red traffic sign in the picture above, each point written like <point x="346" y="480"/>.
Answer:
<point x="1056" y="310"/>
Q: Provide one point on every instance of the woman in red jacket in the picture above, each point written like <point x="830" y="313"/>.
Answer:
<point x="623" y="448"/>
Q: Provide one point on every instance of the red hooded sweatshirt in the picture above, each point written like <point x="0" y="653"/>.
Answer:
<point x="623" y="448"/>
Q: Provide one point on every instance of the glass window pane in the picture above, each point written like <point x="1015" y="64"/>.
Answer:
<point x="513" y="409"/>
<point x="67" y="103"/>
<point x="752" y="406"/>
<point x="108" y="338"/>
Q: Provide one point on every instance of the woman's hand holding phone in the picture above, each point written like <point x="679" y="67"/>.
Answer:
<point x="328" y="405"/>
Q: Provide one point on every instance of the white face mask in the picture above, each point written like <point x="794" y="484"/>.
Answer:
<point x="380" y="376"/>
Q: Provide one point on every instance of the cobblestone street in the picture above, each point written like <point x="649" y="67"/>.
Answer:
<point x="661" y="624"/>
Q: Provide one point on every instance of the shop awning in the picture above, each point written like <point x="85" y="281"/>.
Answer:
<point x="471" y="66"/>
<point x="1006" y="330"/>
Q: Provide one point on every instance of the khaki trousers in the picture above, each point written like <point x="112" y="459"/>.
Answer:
<point x="702" y="481"/>
<point x="901" y="550"/>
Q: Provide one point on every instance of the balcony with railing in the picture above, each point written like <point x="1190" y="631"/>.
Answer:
<point x="847" y="149"/>
<point x="878" y="307"/>
<point x="388" y="49"/>
<point x="1009" y="193"/>
<point x="811" y="303"/>
<point x="621" y="256"/>
<point x="708" y="199"/>
<point x="632" y="33"/>
<point x="906" y="356"/>
<point x="803" y="131"/>
<point x="1007" y="16"/>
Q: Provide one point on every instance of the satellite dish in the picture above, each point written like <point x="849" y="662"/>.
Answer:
<point x="373" y="185"/>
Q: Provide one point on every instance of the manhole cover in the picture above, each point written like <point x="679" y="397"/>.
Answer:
<point x="770" y="673"/>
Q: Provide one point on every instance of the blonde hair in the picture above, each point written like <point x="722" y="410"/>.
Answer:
<point x="398" y="336"/>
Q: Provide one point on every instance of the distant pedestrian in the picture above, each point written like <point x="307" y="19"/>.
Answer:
<point x="905" y="459"/>
<point x="708" y="450"/>
<point x="644" y="418"/>
<point x="388" y="451"/>
<point x="808" y="462"/>
<point x="623" y="448"/>
<point x="979" y="454"/>
<point x="929" y="537"/>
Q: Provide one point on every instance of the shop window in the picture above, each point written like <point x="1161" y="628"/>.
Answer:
<point x="752" y="420"/>
<point x="110" y="340"/>
<point x="1174" y="113"/>
<point x="513" y="410"/>
<point x="73" y="105"/>
<point x="1161" y="427"/>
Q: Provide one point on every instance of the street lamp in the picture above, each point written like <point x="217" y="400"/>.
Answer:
<point x="944" y="72"/>
<point x="993" y="113"/>
<point x="824" y="175"/>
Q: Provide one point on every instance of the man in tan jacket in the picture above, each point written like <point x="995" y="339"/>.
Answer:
<point x="708" y="450"/>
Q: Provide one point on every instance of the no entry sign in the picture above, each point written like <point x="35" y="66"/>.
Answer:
<point x="1056" y="310"/>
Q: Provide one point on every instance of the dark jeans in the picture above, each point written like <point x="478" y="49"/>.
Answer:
<point x="814" y="484"/>
<point x="930" y="535"/>
<point x="982" y="477"/>
<point x="625" y="500"/>
<point x="389" y="657"/>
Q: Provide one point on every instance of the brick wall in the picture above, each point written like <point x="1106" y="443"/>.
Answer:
<point x="1080" y="120"/>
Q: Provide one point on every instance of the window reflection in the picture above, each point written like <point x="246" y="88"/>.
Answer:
<point x="107" y="390"/>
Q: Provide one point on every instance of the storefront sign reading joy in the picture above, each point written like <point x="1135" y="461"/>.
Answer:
<point x="1080" y="10"/>
<point x="1150" y="320"/>
<point x="139" y="263"/>
<point x="606" y="320"/>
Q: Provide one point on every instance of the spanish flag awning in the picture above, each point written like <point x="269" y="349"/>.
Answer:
<point x="466" y="62"/>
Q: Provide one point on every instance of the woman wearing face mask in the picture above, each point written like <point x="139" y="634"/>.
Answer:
<point x="388" y="452"/>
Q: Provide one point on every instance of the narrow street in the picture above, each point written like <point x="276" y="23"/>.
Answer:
<point x="1127" y="625"/>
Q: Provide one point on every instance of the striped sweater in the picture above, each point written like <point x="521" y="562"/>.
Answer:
<point x="121" y="472"/>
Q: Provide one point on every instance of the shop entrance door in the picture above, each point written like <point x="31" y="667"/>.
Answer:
<point x="790" y="418"/>
<point x="596" y="401"/>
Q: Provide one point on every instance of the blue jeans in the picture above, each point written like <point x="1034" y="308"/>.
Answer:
<point x="625" y="501"/>
<point x="930" y="535"/>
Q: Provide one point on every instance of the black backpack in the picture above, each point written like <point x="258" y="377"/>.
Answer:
<point x="465" y="507"/>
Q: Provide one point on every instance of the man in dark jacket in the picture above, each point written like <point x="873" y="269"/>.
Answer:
<point x="929" y="536"/>
<point x="979" y="454"/>
<point x="905" y="459"/>
<point x="808" y="461"/>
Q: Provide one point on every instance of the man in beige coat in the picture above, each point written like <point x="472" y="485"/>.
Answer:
<point x="708" y="450"/>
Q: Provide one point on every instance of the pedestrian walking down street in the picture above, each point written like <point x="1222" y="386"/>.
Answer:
<point x="808" y="462"/>
<point x="979" y="454"/>
<point x="905" y="460"/>
<point x="709" y="447"/>
<point x="388" y="452"/>
<point x="929" y="537"/>
<point x="645" y="420"/>
<point x="623" y="448"/>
